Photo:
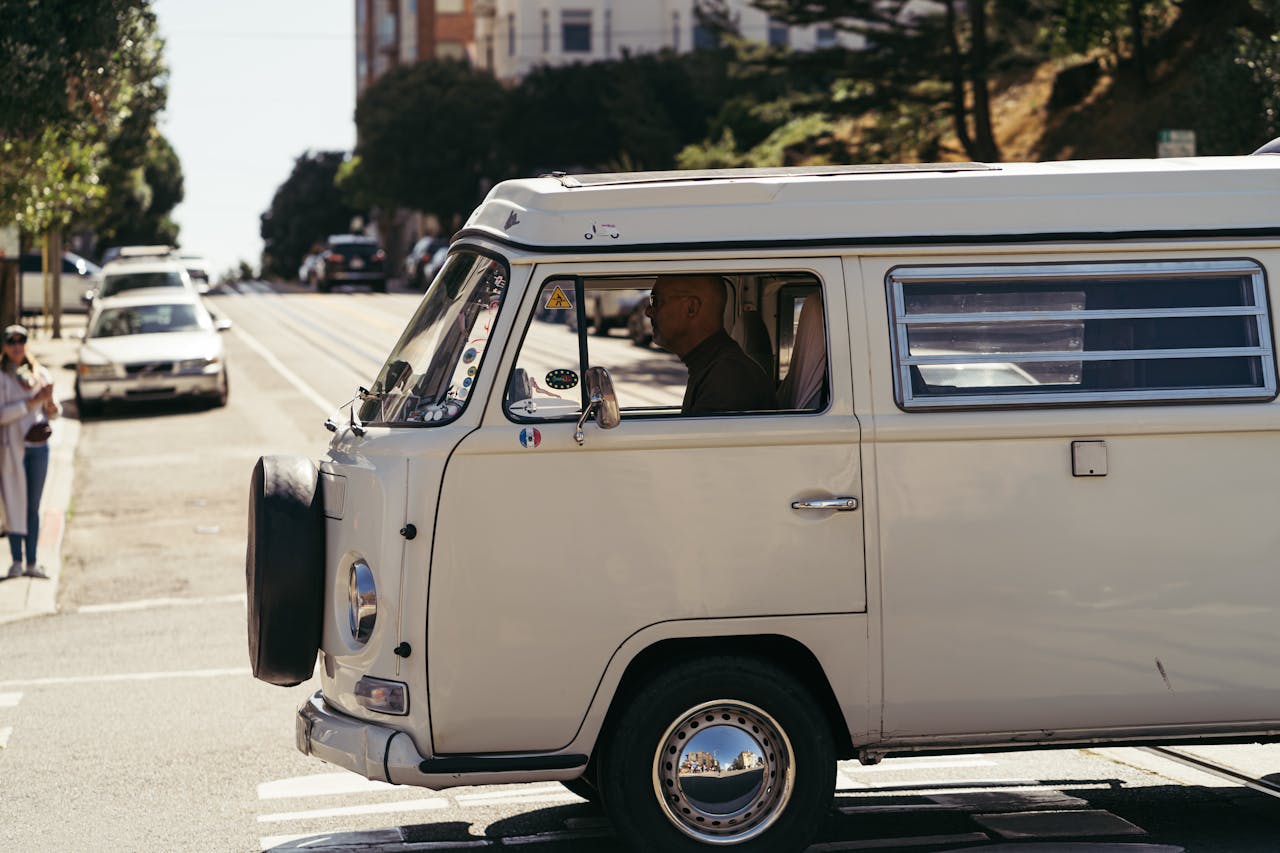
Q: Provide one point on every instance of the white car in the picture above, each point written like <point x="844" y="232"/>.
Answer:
<point x="198" y="270"/>
<point x="150" y="345"/>
<point x="79" y="276"/>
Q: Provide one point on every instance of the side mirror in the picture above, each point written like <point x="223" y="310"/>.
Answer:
<point x="222" y="324"/>
<point x="600" y="384"/>
<point x="600" y="400"/>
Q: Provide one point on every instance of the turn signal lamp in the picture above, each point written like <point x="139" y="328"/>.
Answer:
<point x="385" y="697"/>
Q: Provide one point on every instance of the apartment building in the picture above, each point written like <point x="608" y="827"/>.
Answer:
<point x="512" y="37"/>
<point x="390" y="33"/>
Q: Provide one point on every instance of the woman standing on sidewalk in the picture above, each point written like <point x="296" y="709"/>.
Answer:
<point x="26" y="406"/>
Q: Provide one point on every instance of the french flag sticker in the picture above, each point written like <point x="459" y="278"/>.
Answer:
<point x="530" y="437"/>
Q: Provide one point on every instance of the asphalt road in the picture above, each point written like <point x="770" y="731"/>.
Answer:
<point x="129" y="720"/>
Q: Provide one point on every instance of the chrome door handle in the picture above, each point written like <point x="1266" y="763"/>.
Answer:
<point x="828" y="504"/>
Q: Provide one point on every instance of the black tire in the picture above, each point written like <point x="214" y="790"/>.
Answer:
<point x="380" y="287"/>
<point x="284" y="569"/>
<point x="220" y="399"/>
<point x="760" y="707"/>
<point x="86" y="408"/>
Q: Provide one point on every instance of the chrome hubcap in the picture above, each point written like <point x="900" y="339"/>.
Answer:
<point x="724" y="772"/>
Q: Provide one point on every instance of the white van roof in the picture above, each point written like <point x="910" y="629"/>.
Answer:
<point x="842" y="205"/>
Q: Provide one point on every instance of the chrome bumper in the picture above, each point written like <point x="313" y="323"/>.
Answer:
<point x="389" y="755"/>
<point x="358" y="746"/>
<point x="167" y="385"/>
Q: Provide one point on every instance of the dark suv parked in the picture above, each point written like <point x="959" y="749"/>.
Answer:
<point x="351" y="259"/>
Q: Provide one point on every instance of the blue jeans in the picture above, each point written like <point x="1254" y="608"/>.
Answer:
<point x="36" y="463"/>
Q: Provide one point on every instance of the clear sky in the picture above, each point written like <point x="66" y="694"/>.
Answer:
<point x="252" y="85"/>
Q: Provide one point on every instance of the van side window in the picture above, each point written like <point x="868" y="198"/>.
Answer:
<point x="764" y="317"/>
<point x="1080" y="333"/>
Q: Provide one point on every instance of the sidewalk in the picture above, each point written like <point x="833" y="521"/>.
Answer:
<point x="24" y="597"/>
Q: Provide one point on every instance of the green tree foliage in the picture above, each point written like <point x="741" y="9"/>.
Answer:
<point x="639" y="110"/>
<point x="306" y="208"/>
<point x="428" y="138"/>
<point x="76" y="74"/>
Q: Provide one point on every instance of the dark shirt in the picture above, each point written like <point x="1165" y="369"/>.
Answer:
<point x="723" y="378"/>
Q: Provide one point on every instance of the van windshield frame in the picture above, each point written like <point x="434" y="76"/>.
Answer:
<point x="428" y="378"/>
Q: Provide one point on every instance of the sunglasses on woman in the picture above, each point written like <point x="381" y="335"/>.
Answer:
<point x="16" y="339"/>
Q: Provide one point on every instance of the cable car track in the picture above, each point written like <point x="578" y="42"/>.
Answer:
<point x="1220" y="770"/>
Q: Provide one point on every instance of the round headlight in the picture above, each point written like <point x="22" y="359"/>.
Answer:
<point x="362" y="601"/>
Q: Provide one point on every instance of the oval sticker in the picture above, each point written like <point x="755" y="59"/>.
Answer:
<point x="562" y="379"/>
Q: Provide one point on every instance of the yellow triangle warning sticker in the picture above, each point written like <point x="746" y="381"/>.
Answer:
<point x="558" y="301"/>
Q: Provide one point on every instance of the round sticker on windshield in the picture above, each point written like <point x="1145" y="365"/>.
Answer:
<point x="469" y="356"/>
<point x="562" y="379"/>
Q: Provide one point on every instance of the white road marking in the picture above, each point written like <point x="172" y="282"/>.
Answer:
<point x="844" y="783"/>
<point x="928" y="841"/>
<point x="350" y="811"/>
<point x="518" y="795"/>
<point x="148" y="603"/>
<point x="890" y="765"/>
<point x="10" y="700"/>
<point x="346" y="842"/>
<point x="126" y="676"/>
<point x="4" y="736"/>
<point x="292" y="378"/>
<point x="319" y="785"/>
<point x="515" y="799"/>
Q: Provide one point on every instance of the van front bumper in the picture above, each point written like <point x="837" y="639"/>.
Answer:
<point x="388" y="755"/>
<point x="359" y="746"/>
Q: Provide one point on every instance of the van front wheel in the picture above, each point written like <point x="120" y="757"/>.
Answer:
<point x="721" y="752"/>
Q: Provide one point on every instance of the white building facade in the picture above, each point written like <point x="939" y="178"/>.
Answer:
<point x="515" y="36"/>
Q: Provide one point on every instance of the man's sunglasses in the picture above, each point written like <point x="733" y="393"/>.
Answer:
<point x="16" y="339"/>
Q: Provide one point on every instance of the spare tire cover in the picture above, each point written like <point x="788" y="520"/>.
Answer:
<point x="284" y="569"/>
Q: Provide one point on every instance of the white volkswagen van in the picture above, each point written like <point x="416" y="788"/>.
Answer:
<point x="1019" y="490"/>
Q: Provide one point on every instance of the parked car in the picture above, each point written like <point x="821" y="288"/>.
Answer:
<point x="198" y="271"/>
<point x="639" y="325"/>
<point x="79" y="276"/>
<point x="611" y="309"/>
<point x="121" y="275"/>
<point x="149" y="345"/>
<point x="352" y="259"/>
<point x="420" y="264"/>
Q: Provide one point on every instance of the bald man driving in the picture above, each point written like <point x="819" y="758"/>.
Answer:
<point x="688" y="319"/>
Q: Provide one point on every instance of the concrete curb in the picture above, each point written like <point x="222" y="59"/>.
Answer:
<point x="22" y="598"/>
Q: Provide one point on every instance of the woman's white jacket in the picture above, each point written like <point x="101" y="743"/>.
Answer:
<point x="15" y="420"/>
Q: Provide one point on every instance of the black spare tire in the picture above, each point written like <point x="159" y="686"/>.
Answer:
<point x="284" y="569"/>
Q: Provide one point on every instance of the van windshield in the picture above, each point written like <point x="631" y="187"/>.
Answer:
<point x="430" y="373"/>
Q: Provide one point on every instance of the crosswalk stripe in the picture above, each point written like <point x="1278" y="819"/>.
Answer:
<point x="890" y="765"/>
<point x="148" y="603"/>
<point x="10" y="700"/>
<point x="351" y="811"/>
<point x="4" y="736"/>
<point x="125" y="676"/>
<point x="528" y="791"/>
<point x="319" y="785"/>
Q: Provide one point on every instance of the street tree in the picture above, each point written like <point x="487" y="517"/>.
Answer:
<point x="428" y="138"/>
<point x="306" y="208"/>
<point x="74" y="73"/>
<point x="906" y="50"/>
